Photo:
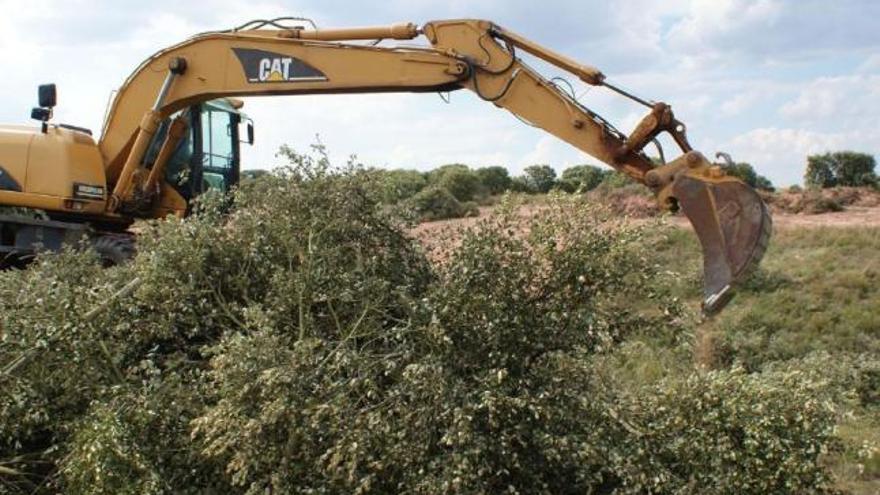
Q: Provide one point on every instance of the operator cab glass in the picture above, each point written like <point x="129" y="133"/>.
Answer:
<point x="208" y="156"/>
<point x="219" y="133"/>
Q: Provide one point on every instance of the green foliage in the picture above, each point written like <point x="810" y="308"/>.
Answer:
<point x="764" y="184"/>
<point x="731" y="432"/>
<point x="746" y="173"/>
<point x="399" y="185"/>
<point x="581" y="178"/>
<point x="300" y="342"/>
<point x="539" y="178"/>
<point x="459" y="180"/>
<point x="436" y="203"/>
<point x="519" y="184"/>
<point x="495" y="180"/>
<point x="614" y="180"/>
<point x="843" y="168"/>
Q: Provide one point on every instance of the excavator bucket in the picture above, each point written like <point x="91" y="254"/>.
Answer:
<point x="733" y="225"/>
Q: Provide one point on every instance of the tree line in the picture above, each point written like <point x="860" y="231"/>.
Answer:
<point x="456" y="190"/>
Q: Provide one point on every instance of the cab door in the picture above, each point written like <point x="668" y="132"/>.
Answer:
<point x="217" y="138"/>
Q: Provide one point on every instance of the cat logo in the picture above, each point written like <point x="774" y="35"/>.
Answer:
<point x="267" y="67"/>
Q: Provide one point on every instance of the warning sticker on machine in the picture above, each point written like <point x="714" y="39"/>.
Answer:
<point x="268" y="67"/>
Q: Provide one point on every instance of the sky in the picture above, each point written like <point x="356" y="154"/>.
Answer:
<point x="767" y="81"/>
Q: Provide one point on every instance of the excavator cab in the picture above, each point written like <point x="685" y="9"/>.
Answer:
<point x="208" y="156"/>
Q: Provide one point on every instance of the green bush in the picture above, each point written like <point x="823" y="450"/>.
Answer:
<point x="730" y="432"/>
<point x="519" y="184"/>
<point x="399" y="185"/>
<point x="581" y="178"/>
<point x="539" y="178"/>
<point x="495" y="180"/>
<point x="614" y="180"/>
<point x="300" y="342"/>
<point x="459" y="180"/>
<point x="436" y="203"/>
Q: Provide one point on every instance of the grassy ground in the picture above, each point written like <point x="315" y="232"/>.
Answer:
<point x="818" y="291"/>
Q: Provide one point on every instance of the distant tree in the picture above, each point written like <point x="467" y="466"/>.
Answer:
<point x="458" y="179"/>
<point x="540" y="178"/>
<point x="855" y="169"/>
<point x="615" y="179"/>
<point x="397" y="185"/>
<point x="746" y="173"/>
<point x="521" y="185"/>
<point x="819" y="172"/>
<point x="495" y="180"/>
<point x="842" y="168"/>
<point x="764" y="183"/>
<point x="435" y="174"/>
<point x="436" y="203"/>
<point x="581" y="178"/>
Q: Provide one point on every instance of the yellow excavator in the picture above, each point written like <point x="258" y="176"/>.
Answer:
<point x="174" y="127"/>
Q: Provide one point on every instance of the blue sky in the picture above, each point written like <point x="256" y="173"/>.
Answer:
<point x="768" y="81"/>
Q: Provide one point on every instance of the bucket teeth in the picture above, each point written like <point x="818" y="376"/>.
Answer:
<point x="734" y="227"/>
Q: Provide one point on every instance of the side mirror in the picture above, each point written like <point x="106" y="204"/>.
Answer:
<point x="250" y="133"/>
<point x="48" y="96"/>
<point x="41" y="114"/>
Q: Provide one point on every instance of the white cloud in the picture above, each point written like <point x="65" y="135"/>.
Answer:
<point x="770" y="32"/>
<point x="871" y="65"/>
<point x="740" y="103"/>
<point x="840" y="98"/>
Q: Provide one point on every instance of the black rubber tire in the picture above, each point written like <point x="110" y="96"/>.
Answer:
<point x="114" y="249"/>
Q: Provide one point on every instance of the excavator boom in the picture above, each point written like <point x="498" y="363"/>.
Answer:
<point x="268" y="58"/>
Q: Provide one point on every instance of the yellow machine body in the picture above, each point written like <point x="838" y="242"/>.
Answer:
<point x="60" y="170"/>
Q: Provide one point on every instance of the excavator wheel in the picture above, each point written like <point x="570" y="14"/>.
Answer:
<point x="734" y="227"/>
<point x="114" y="249"/>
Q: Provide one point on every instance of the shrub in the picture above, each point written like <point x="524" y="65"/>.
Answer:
<point x="814" y="203"/>
<point x="614" y="180"/>
<point x="436" y="203"/>
<point x="764" y="433"/>
<point x="495" y="180"/>
<point x="398" y="185"/>
<point x="539" y="178"/>
<point x="521" y="185"/>
<point x="809" y="202"/>
<point x="300" y="342"/>
<point x="459" y="180"/>
<point x="581" y="178"/>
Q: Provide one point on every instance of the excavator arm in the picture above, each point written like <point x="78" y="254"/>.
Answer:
<point x="269" y="58"/>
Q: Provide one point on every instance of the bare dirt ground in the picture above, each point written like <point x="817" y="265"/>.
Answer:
<point x="853" y="216"/>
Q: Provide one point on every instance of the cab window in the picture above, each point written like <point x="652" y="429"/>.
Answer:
<point x="218" y="156"/>
<point x="177" y="170"/>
